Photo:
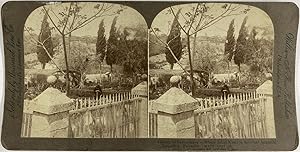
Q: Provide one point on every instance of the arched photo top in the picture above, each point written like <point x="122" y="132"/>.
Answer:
<point x="213" y="18"/>
<point x="84" y="17"/>
<point x="213" y="53"/>
<point x="80" y="21"/>
<point x="83" y="51"/>
<point x="212" y="31"/>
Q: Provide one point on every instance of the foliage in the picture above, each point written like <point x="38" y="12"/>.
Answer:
<point x="133" y="46"/>
<point x="155" y="46"/>
<point x="72" y="18"/>
<point x="112" y="44"/>
<point x="208" y="59"/>
<point x="261" y="58"/>
<point x="241" y="49"/>
<point x="79" y="58"/>
<point x="45" y="38"/>
<point x="101" y="42"/>
<point x="203" y="15"/>
<point x="230" y="42"/>
<point x="174" y="41"/>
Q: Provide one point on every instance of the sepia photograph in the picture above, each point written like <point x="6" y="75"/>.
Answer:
<point x="210" y="72"/>
<point x="144" y="76"/>
<point x="86" y="71"/>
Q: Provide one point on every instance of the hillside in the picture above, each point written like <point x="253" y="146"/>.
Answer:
<point x="207" y="49"/>
<point x="82" y="46"/>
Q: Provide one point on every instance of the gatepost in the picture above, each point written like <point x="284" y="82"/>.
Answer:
<point x="51" y="114"/>
<point x="266" y="90"/>
<point x="175" y="114"/>
<point x="141" y="91"/>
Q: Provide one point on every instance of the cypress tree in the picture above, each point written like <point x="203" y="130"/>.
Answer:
<point x="230" y="42"/>
<point x="101" y="42"/>
<point x="241" y="43"/>
<point x="45" y="38"/>
<point x="174" y="41"/>
<point x="112" y="44"/>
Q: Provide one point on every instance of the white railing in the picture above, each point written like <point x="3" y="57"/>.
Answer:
<point x="26" y="120"/>
<point x="81" y="104"/>
<point x="239" y="115"/>
<point x="235" y="116"/>
<point x="106" y="116"/>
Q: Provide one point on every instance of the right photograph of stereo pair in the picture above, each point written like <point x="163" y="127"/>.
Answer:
<point x="210" y="72"/>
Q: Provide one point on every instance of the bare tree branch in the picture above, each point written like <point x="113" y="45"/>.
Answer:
<point x="178" y="20"/>
<point x="226" y="13"/>
<point x="40" y="44"/>
<point x="193" y="18"/>
<point x="68" y="16"/>
<point x="52" y="20"/>
<point x="168" y="47"/>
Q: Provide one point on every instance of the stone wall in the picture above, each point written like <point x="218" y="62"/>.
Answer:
<point x="50" y="114"/>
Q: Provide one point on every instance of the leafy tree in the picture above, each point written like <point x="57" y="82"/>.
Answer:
<point x="261" y="55"/>
<point x="174" y="41"/>
<point x="112" y="45"/>
<point x="45" y="38"/>
<point x="101" y="42"/>
<point x="230" y="43"/>
<point x="241" y="43"/>
<point x="207" y="62"/>
<point x="200" y="17"/>
<point x="134" y="50"/>
<point x="71" y="18"/>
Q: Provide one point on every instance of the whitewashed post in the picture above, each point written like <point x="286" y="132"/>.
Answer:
<point x="266" y="89"/>
<point x="51" y="114"/>
<point x="141" y="92"/>
<point x="176" y="114"/>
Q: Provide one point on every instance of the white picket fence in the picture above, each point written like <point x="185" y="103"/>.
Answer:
<point x="101" y="100"/>
<point x="26" y="120"/>
<point x="235" y="116"/>
<point x="106" y="116"/>
<point x="152" y="129"/>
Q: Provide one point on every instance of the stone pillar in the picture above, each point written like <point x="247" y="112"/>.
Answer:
<point x="175" y="114"/>
<point x="266" y="90"/>
<point x="141" y="91"/>
<point x="50" y="117"/>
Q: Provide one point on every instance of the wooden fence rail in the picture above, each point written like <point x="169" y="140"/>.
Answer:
<point x="108" y="116"/>
<point x="152" y="130"/>
<point x="26" y="124"/>
<point x="100" y="100"/>
<point x="235" y="116"/>
<point x="103" y="116"/>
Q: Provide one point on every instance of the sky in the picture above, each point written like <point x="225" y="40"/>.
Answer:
<point x="256" y="17"/>
<point x="131" y="18"/>
<point x="127" y="18"/>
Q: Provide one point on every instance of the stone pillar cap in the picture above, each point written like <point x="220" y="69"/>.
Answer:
<point x="175" y="101"/>
<point x="140" y="89"/>
<point x="51" y="101"/>
<point x="266" y="88"/>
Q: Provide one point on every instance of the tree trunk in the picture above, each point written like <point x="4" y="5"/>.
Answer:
<point x="194" y="49"/>
<point x="239" y="79"/>
<point x="191" y="66"/>
<point x="43" y="65"/>
<point x="100" y="72"/>
<point x="171" y="66"/>
<point x="69" y="44"/>
<point x="111" y="68"/>
<point x="67" y="66"/>
<point x="228" y="69"/>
